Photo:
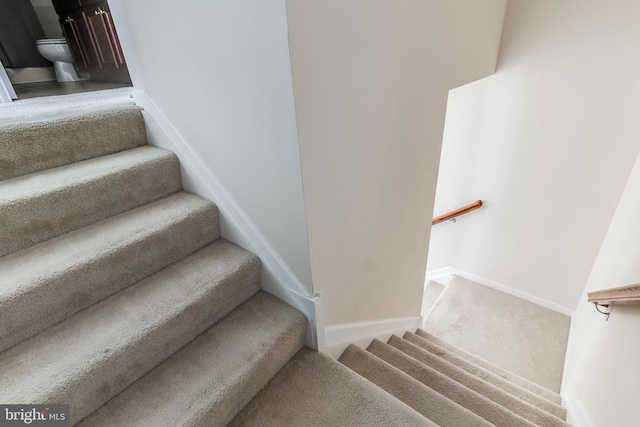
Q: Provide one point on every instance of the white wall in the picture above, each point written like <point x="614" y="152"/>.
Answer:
<point x="603" y="361"/>
<point x="548" y="143"/>
<point x="220" y="71"/>
<point x="371" y="79"/>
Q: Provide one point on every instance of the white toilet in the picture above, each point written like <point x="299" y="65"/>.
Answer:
<point x="57" y="51"/>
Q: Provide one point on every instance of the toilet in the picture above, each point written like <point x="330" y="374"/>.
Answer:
<point x="57" y="51"/>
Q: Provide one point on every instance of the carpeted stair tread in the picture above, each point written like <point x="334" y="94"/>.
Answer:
<point x="39" y="206"/>
<point x="73" y="271"/>
<point x="57" y="107"/>
<point x="426" y="401"/>
<point x="421" y="359"/>
<point x="432" y="343"/>
<point x="36" y="146"/>
<point x="465" y="397"/>
<point x="313" y="390"/>
<point x="466" y="372"/>
<point x="90" y="357"/>
<point x="207" y="382"/>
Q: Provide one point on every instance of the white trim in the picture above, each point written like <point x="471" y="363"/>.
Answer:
<point x="349" y="332"/>
<point x="577" y="416"/>
<point x="7" y="93"/>
<point x="236" y="225"/>
<point x="440" y="275"/>
<point x="565" y="366"/>
<point x="339" y="337"/>
<point x="502" y="288"/>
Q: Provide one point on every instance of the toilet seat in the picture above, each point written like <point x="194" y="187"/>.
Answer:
<point x="51" y="41"/>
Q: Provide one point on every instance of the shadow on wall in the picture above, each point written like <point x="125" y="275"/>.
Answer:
<point x="19" y="30"/>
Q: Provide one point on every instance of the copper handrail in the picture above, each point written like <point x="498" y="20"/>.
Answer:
<point x="451" y="215"/>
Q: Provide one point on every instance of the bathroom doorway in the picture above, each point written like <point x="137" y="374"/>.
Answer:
<point x="24" y="22"/>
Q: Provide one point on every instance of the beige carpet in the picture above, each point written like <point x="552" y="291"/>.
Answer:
<point x="389" y="384"/>
<point x="314" y="390"/>
<point x="517" y="335"/>
<point x="65" y="106"/>
<point x="195" y="386"/>
<point x="113" y="281"/>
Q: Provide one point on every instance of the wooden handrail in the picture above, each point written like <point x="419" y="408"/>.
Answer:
<point x="446" y="217"/>
<point x="621" y="295"/>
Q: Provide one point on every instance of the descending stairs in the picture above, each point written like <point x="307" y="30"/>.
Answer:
<point x="117" y="294"/>
<point x="418" y="379"/>
<point x="408" y="381"/>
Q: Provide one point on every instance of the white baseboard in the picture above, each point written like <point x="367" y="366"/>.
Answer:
<point x="440" y="277"/>
<point x="577" y="416"/>
<point x="338" y="337"/>
<point x="236" y="226"/>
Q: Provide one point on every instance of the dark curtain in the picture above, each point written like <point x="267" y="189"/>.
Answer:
<point x="19" y="30"/>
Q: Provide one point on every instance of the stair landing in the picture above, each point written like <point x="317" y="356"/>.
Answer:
<point x="507" y="331"/>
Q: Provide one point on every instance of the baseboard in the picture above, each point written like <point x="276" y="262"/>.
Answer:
<point x="577" y="416"/>
<point x="497" y="286"/>
<point x="440" y="275"/>
<point x="31" y="75"/>
<point x="236" y="226"/>
<point x="338" y="337"/>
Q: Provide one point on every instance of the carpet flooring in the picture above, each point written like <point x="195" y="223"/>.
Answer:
<point x="442" y="383"/>
<point x="507" y="331"/>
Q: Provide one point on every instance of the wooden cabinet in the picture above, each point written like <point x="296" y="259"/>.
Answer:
<point x="76" y="30"/>
<point x="104" y="34"/>
<point x="92" y="38"/>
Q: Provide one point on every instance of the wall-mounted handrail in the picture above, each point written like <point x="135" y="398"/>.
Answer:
<point x="621" y="295"/>
<point x="606" y="297"/>
<point x="453" y="214"/>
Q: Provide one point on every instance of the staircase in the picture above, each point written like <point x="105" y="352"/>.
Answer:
<point x="418" y="379"/>
<point x="119" y="297"/>
<point x="117" y="294"/>
<point x="409" y="381"/>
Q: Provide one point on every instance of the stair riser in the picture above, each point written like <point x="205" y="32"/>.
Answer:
<point x="29" y="149"/>
<point x="470" y="399"/>
<point x="111" y="344"/>
<point x="525" y="394"/>
<point x="431" y="404"/>
<point x="497" y="395"/>
<point x="102" y="273"/>
<point x="253" y="342"/>
<point x="313" y="390"/>
<point x="31" y="219"/>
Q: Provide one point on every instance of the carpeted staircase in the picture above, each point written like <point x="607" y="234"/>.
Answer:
<point x="119" y="297"/>
<point x="418" y="379"/>
<point x="117" y="294"/>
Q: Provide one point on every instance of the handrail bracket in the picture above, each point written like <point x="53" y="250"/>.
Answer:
<point x="606" y="313"/>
